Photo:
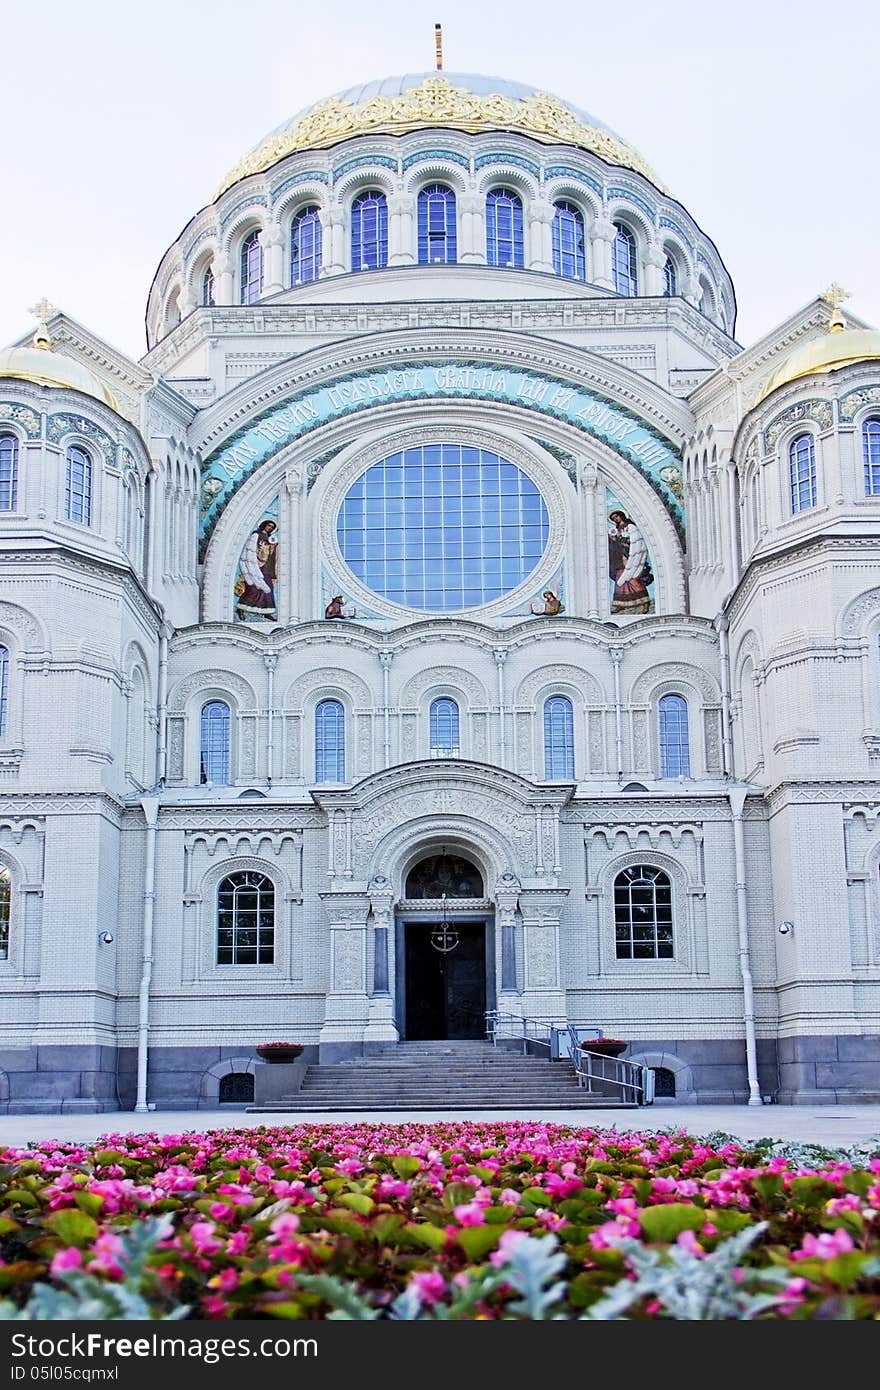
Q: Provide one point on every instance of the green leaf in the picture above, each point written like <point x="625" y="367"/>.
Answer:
<point x="726" y="1219"/>
<point x="8" y="1225"/>
<point x="426" y="1234"/>
<point x="90" y="1202"/>
<point x="72" y="1226"/>
<point x="666" y="1222"/>
<point x="477" y="1241"/>
<point x="104" y="1157"/>
<point x="457" y="1194"/>
<point x="406" y="1165"/>
<point x="769" y="1185"/>
<point x="357" y="1201"/>
<point x="537" y="1197"/>
<point x="385" y="1229"/>
<point x="19" y="1198"/>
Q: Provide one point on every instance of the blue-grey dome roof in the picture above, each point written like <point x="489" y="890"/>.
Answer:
<point x="442" y="100"/>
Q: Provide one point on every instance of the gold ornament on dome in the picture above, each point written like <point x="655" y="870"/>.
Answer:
<point x="437" y="102"/>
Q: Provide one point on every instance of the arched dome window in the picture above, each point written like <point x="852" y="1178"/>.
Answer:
<point x="504" y="229"/>
<point x="623" y="261"/>
<point x="707" y="300"/>
<point x="444" y="729"/>
<point x="329" y="742"/>
<point x="251" y="264"/>
<point x="8" y="472"/>
<point x="670" y="278"/>
<point x="643" y="914"/>
<point x="305" y="246"/>
<point x="558" y="738"/>
<point x="369" y="231"/>
<point x="436" y="219"/>
<point x="5" y="911"/>
<point x="4" y="689"/>
<point x="208" y="289"/>
<point x="216" y="728"/>
<point x="78" y="485"/>
<point x="675" y="755"/>
<point x="246" y="920"/>
<point x="802" y="473"/>
<point x="569" y="258"/>
<point x="870" y="452"/>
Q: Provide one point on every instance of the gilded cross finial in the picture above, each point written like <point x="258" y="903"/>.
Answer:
<point x="42" y="311"/>
<point x="834" y="295"/>
<point x="438" y="46"/>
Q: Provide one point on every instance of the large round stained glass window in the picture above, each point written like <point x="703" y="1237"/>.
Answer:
<point x="442" y="527"/>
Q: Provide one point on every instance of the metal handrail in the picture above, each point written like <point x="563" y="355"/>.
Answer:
<point x="527" y="1030"/>
<point x="635" y="1081"/>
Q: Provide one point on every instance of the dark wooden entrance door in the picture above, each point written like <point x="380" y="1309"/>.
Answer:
<point x="445" y="992"/>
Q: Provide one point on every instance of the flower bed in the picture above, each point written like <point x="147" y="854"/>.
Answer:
<point x="291" y="1222"/>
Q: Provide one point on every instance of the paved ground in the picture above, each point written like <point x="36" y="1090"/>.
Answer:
<point x="832" y="1124"/>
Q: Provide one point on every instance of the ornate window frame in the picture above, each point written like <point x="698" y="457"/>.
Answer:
<point x="206" y="896"/>
<point x="683" y="954"/>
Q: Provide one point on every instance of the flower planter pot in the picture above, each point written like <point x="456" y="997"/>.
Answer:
<point x="280" y="1054"/>
<point x="608" y="1047"/>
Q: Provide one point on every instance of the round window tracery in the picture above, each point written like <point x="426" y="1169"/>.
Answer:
<point x="442" y="527"/>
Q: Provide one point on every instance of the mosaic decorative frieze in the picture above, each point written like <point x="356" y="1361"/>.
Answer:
<point x="383" y="160"/>
<point x="316" y="467"/>
<point x="60" y="425"/>
<point x="512" y="159"/>
<point x="565" y="460"/>
<point x="22" y="415"/>
<point x="817" y="411"/>
<point x="630" y="197"/>
<point x="850" y="405"/>
<point x="308" y="176"/>
<point x="565" y="171"/>
<point x="451" y="157"/>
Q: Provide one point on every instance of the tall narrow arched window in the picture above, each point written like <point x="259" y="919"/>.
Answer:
<point x="4" y="689"/>
<point x="643" y="914"/>
<point x="675" y="753"/>
<point x="5" y="911"/>
<point x="623" y="261"/>
<point x="569" y="258"/>
<point x="802" y="472"/>
<point x="504" y="229"/>
<point x="444" y="729"/>
<point x="437" y="237"/>
<point x="305" y="246"/>
<point x="871" y="453"/>
<point x="329" y="742"/>
<point x="216" y="729"/>
<point x="78" y="485"/>
<point x="246" y="920"/>
<point x="251" y="268"/>
<point x="670" y="278"/>
<point x="558" y="738"/>
<point x="369" y="232"/>
<point x="8" y="472"/>
<point x="208" y="289"/>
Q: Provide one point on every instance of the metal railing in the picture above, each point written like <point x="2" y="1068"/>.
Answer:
<point x="597" y="1071"/>
<point x="535" y="1032"/>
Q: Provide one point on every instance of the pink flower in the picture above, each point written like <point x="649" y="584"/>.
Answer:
<point x="71" y="1258"/>
<point x="431" y="1286"/>
<point x="824" y="1246"/>
<point x="203" y="1238"/>
<point x="284" y="1225"/>
<point x="469" y="1214"/>
<point x="688" y="1241"/>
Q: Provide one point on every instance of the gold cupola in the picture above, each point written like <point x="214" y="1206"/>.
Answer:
<point x="839" y="347"/>
<point x="38" y="363"/>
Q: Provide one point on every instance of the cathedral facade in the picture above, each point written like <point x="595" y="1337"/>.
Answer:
<point x="445" y="616"/>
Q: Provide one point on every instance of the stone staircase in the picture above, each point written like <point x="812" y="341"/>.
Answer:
<point x="443" y="1075"/>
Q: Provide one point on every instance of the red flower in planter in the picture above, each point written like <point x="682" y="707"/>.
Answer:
<point x="279" y="1051"/>
<point x="611" y="1046"/>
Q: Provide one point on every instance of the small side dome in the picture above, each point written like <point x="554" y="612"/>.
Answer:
<point x="838" y="348"/>
<point x="47" y="368"/>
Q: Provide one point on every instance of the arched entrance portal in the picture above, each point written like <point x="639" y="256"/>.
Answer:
<point x="445" y="956"/>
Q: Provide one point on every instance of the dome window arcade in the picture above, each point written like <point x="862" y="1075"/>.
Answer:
<point x="504" y="229"/>
<point x="870" y="452"/>
<point x="251" y="268"/>
<point x="802" y="473"/>
<point x="78" y="485"/>
<point x="670" y="278"/>
<point x="569" y="258"/>
<point x="305" y="246"/>
<point x="369" y="231"/>
<point x="624" y="264"/>
<point x="436" y="226"/>
<point x="208" y="289"/>
<point x="8" y="472"/>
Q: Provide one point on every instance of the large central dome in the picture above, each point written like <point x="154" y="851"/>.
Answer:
<point x="451" y="101"/>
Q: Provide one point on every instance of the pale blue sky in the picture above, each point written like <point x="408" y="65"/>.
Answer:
<point x="121" y="118"/>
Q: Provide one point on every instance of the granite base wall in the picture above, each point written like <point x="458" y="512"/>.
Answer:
<point x="92" y="1079"/>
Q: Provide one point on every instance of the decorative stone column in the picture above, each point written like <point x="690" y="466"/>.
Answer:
<point x="333" y="241"/>
<point x="506" y="900"/>
<point x="222" y="280"/>
<point x="655" y="260"/>
<point x="401" y="250"/>
<point x="542" y="993"/>
<point x="380" y="1027"/>
<point x="273" y="247"/>
<point x="472" y="247"/>
<point x="347" y="1005"/>
<point x="601" y="236"/>
<point x="541" y="236"/>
